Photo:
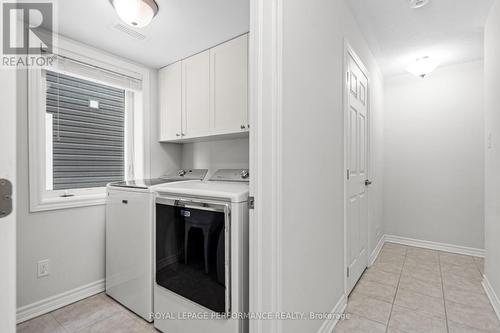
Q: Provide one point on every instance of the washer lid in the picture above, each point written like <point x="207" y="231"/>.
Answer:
<point x="227" y="191"/>
<point x="176" y="176"/>
<point x="140" y="183"/>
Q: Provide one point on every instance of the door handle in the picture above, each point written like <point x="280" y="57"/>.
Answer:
<point x="368" y="182"/>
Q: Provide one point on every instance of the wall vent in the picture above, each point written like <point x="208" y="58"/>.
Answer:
<point x="128" y="31"/>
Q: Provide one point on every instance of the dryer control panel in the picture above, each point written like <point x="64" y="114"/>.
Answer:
<point x="231" y="175"/>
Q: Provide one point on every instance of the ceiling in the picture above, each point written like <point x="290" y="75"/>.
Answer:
<point x="181" y="28"/>
<point x="449" y="30"/>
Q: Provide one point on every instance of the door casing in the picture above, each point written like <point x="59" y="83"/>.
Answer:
<point x="8" y="148"/>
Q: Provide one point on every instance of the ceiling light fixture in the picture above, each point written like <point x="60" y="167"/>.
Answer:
<point x="418" y="3"/>
<point x="136" y="13"/>
<point x="422" y="66"/>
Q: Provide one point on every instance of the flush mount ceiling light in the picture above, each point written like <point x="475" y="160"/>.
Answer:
<point x="418" y="3"/>
<point x="422" y="66"/>
<point x="136" y="13"/>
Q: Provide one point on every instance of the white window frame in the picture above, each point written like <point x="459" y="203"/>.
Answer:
<point x="136" y="117"/>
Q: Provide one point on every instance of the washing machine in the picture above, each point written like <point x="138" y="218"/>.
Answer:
<point x="129" y="239"/>
<point x="201" y="255"/>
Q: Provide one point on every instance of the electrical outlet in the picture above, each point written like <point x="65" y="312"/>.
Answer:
<point x="43" y="268"/>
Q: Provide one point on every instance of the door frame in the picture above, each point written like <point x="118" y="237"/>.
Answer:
<point x="266" y="160"/>
<point x="350" y="51"/>
<point x="8" y="144"/>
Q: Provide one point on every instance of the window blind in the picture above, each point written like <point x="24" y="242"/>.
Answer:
<point x="88" y="122"/>
<point x="102" y="73"/>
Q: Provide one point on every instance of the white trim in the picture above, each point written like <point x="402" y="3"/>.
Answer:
<point x="278" y="158"/>
<point x="376" y="251"/>
<point x="495" y="301"/>
<point x="469" y="251"/>
<point x="329" y="325"/>
<point x="49" y="153"/>
<point x="42" y="200"/>
<point x="49" y="304"/>
<point x="9" y="148"/>
<point x="265" y="113"/>
<point x="85" y="53"/>
<point x="79" y="200"/>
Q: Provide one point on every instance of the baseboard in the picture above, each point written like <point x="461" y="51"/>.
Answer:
<point x="495" y="301"/>
<point x="435" y="246"/>
<point x="376" y="251"/>
<point x="329" y="324"/>
<point x="55" y="302"/>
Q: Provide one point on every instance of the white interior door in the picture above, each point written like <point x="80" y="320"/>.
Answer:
<point x="357" y="163"/>
<point x="8" y="222"/>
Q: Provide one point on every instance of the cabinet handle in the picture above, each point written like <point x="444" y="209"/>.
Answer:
<point x="242" y="127"/>
<point x="183" y="134"/>
<point x="177" y="134"/>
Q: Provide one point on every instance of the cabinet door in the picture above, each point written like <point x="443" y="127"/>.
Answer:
<point x="229" y="86"/>
<point x="170" y="82"/>
<point x="196" y="95"/>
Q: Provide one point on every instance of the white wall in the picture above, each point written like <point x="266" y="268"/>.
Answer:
<point x="492" y="107"/>
<point x="72" y="239"/>
<point x="213" y="155"/>
<point x="313" y="151"/>
<point x="376" y="160"/>
<point x="434" y="156"/>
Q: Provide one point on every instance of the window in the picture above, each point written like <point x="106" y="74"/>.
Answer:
<point x="85" y="128"/>
<point x="85" y="123"/>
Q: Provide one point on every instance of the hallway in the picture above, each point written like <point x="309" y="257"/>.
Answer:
<point x="415" y="290"/>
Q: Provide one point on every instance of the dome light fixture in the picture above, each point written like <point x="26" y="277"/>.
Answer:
<point x="136" y="13"/>
<point x="422" y="66"/>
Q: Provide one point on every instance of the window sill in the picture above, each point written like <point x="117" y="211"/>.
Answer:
<point x="57" y="203"/>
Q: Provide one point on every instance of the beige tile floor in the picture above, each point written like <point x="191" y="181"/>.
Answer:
<point x="414" y="290"/>
<point x="97" y="314"/>
<point x="407" y="290"/>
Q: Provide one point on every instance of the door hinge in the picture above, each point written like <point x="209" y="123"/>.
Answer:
<point x="5" y="198"/>
<point x="348" y="174"/>
<point x="251" y="203"/>
<point x="348" y="76"/>
<point x="348" y="272"/>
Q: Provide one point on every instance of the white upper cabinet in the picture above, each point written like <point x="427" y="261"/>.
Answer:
<point x="207" y="94"/>
<point x="170" y="82"/>
<point x="229" y="86"/>
<point x="196" y="95"/>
